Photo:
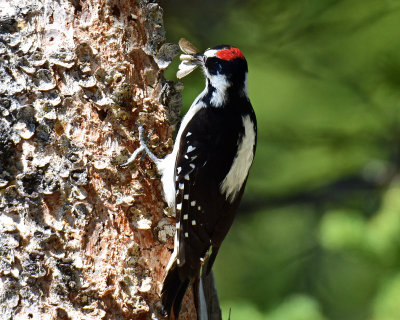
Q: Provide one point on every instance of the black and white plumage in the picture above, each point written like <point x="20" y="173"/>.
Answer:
<point x="205" y="175"/>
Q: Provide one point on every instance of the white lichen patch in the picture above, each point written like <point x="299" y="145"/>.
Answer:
<point x="101" y="164"/>
<point x="126" y="199"/>
<point x="25" y="131"/>
<point x="166" y="230"/>
<point x="140" y="218"/>
<point x="7" y="224"/>
<point x="143" y="223"/>
<point x="146" y="285"/>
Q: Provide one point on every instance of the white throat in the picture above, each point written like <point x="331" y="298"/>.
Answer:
<point x="220" y="83"/>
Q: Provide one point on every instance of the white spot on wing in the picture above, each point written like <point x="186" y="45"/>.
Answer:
<point x="190" y="149"/>
<point x="186" y="235"/>
<point x="166" y="166"/>
<point x="193" y="203"/>
<point x="185" y="217"/>
<point x="186" y="197"/>
<point x="193" y="222"/>
<point x="188" y="134"/>
<point x="237" y="174"/>
<point x="179" y="206"/>
<point x="187" y="177"/>
<point x="192" y="165"/>
<point x="179" y="169"/>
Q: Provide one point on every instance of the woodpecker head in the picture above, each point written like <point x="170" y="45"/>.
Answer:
<point x="224" y="66"/>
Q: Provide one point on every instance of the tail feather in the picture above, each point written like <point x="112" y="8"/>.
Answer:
<point x="179" y="298"/>
<point x="173" y="291"/>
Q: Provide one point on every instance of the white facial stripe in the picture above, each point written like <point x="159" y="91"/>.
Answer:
<point x="220" y="83"/>
<point x="210" y="53"/>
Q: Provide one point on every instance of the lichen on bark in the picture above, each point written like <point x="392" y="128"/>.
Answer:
<point x="81" y="237"/>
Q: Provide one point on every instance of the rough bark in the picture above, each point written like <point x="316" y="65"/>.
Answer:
<point x="81" y="237"/>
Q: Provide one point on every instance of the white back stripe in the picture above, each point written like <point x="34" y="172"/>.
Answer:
<point x="237" y="174"/>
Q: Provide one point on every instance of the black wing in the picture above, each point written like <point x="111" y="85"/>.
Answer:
<point x="205" y="155"/>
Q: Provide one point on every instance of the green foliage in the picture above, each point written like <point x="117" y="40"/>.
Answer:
<point x="386" y="306"/>
<point x="297" y="307"/>
<point x="318" y="235"/>
<point x="342" y="230"/>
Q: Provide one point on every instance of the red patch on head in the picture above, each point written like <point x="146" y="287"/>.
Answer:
<point x="229" y="54"/>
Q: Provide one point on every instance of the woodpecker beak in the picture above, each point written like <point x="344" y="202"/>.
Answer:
<point x="190" y="60"/>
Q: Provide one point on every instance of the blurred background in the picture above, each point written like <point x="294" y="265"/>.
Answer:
<point x="318" y="233"/>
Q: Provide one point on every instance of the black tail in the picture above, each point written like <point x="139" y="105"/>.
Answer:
<point x="173" y="291"/>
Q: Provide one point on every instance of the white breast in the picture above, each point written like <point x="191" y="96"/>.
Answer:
<point x="237" y="174"/>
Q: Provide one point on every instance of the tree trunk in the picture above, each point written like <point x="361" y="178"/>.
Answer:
<point x="81" y="237"/>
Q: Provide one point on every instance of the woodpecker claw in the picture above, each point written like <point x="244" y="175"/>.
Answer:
<point x="143" y="147"/>
<point x="143" y="141"/>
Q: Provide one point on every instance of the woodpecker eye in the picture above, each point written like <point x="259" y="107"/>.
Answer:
<point x="204" y="59"/>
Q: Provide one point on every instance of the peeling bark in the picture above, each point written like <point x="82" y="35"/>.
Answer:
<point x="81" y="237"/>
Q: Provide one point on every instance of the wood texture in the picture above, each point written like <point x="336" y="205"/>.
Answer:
<point x="81" y="237"/>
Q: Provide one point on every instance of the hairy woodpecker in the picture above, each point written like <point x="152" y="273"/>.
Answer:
<point x="205" y="175"/>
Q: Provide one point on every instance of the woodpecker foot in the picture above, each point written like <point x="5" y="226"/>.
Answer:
<point x="143" y="147"/>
